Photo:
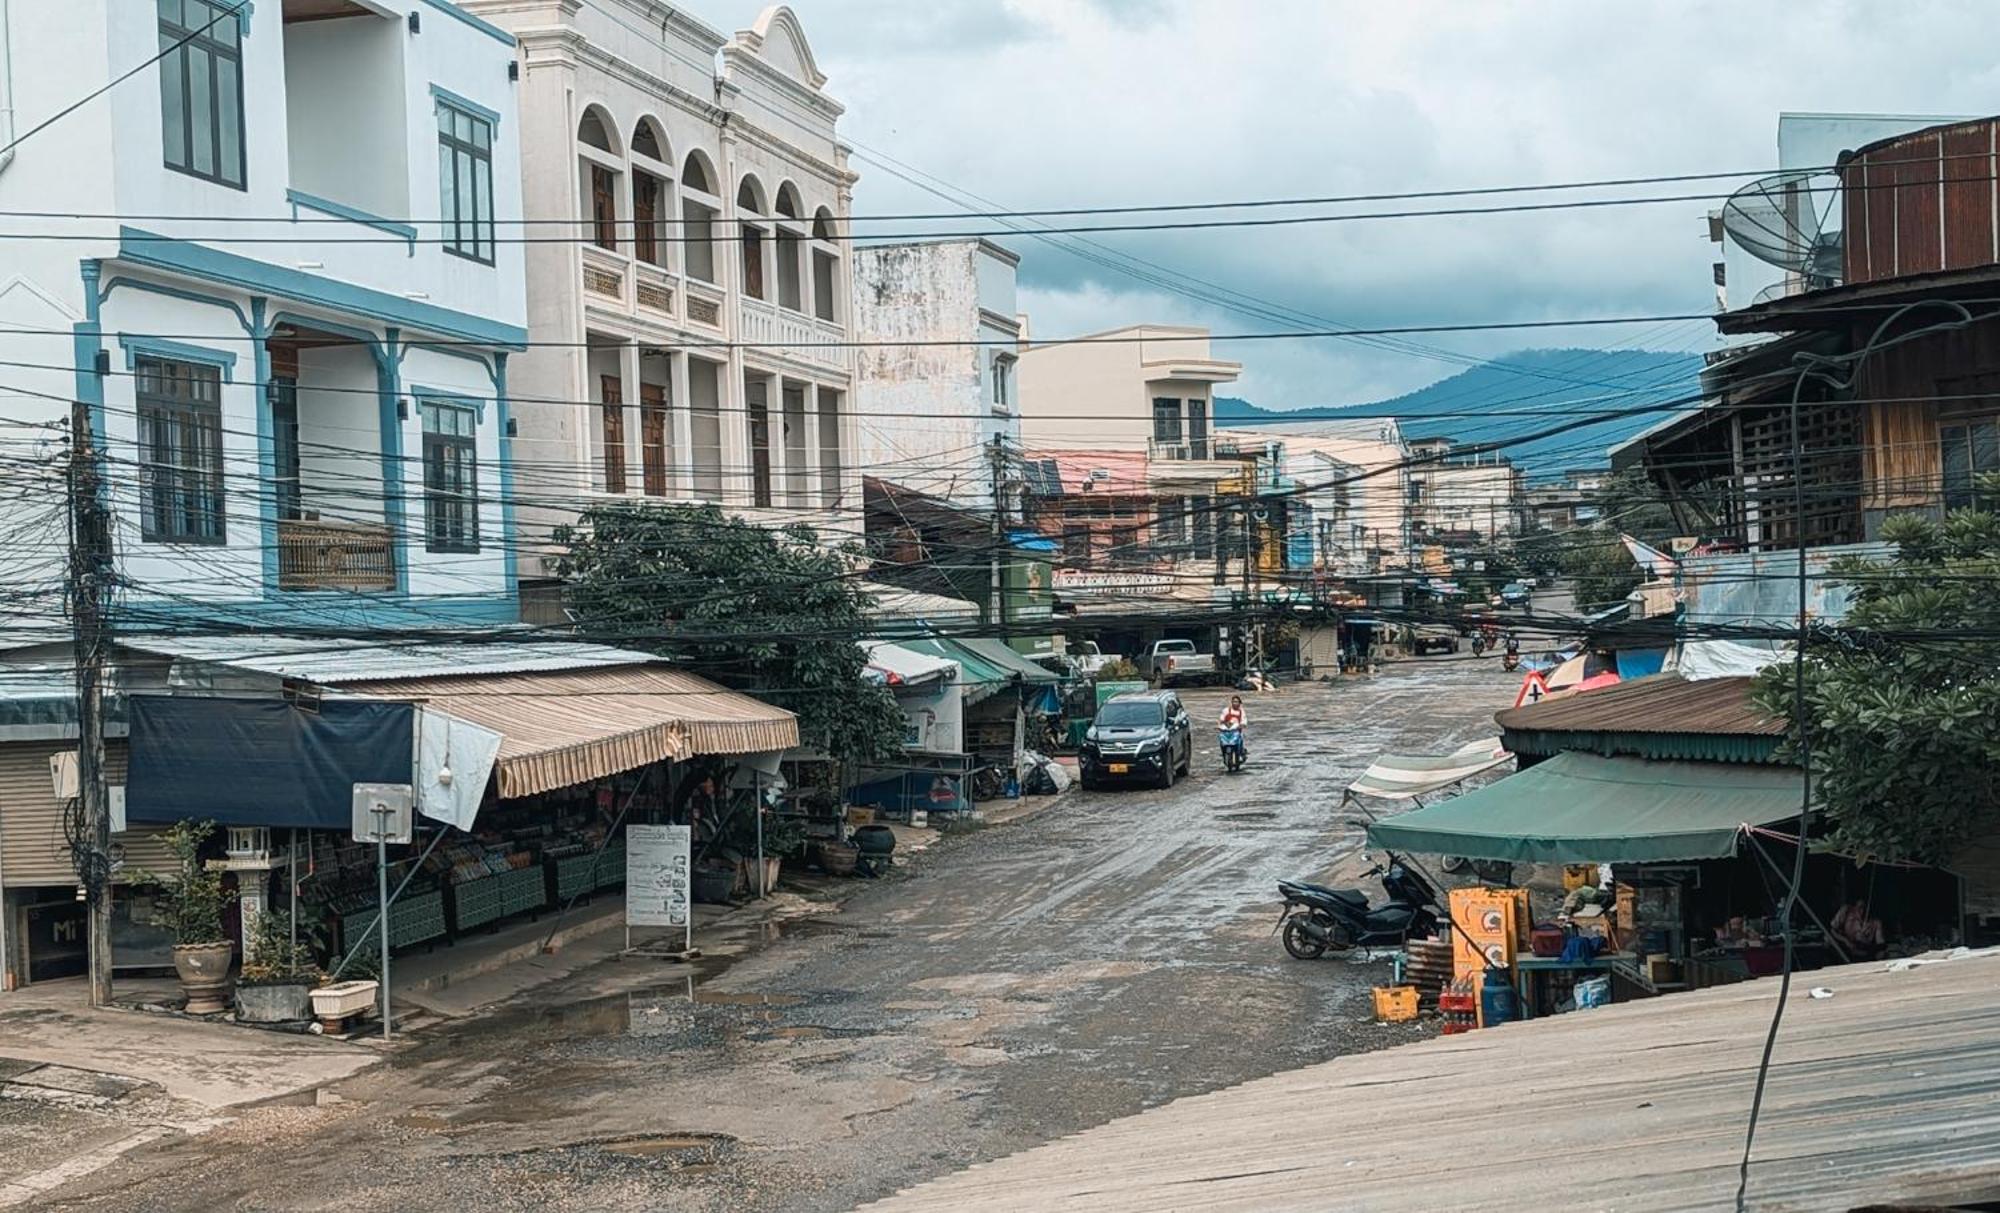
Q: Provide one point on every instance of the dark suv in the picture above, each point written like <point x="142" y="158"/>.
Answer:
<point x="1141" y="735"/>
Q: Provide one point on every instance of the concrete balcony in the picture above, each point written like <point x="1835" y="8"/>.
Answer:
<point x="654" y="290"/>
<point x="792" y="336"/>
<point x="335" y="556"/>
<point x="1196" y="466"/>
<point x="607" y="278"/>
<point x="703" y="303"/>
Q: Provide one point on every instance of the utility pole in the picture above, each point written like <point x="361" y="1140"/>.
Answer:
<point x="1249" y="628"/>
<point x="89" y="592"/>
<point x="998" y="613"/>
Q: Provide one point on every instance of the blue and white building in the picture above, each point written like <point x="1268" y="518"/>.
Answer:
<point x="275" y="264"/>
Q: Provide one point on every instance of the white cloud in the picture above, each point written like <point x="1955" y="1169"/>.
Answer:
<point x="1108" y="102"/>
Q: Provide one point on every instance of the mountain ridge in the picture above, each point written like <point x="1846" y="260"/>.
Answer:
<point x="1508" y="398"/>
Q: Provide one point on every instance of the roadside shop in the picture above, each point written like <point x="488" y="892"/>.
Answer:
<point x="525" y="763"/>
<point x="1649" y="840"/>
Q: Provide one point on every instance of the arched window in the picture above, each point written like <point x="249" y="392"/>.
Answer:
<point x="595" y="130"/>
<point x="749" y="201"/>
<point x="788" y="200"/>
<point x="647" y="141"/>
<point x="698" y="231"/>
<point x="825" y="268"/>
<point x="694" y="174"/>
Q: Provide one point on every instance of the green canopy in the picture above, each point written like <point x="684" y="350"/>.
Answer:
<point x="1585" y="808"/>
<point x="979" y="676"/>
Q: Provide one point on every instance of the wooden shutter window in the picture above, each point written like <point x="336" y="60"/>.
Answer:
<point x="653" y="438"/>
<point x="614" y="434"/>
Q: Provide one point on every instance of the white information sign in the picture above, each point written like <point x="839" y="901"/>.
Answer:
<point x="658" y="880"/>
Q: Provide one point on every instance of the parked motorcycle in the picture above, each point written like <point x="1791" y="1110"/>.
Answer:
<point x="1231" y="740"/>
<point x="1317" y="919"/>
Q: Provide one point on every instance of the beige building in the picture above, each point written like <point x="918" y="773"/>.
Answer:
<point x="1147" y="387"/>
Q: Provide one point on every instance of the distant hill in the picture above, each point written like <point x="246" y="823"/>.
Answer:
<point x="1517" y="394"/>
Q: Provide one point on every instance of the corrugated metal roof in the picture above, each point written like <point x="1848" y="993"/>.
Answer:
<point x="1882" y="1094"/>
<point x="336" y="662"/>
<point x="895" y="602"/>
<point x="569" y="727"/>
<point x="1660" y="703"/>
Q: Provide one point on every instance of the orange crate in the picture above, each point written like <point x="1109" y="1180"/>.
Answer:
<point x="1395" y="1004"/>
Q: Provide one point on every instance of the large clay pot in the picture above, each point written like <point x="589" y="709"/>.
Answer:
<point x="204" y="974"/>
<point x="838" y="858"/>
<point x="287" y="1002"/>
<point x="875" y="839"/>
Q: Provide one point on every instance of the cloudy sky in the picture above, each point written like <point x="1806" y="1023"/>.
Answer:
<point x="1058" y="103"/>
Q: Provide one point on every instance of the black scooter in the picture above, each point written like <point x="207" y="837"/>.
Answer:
<point x="1317" y="919"/>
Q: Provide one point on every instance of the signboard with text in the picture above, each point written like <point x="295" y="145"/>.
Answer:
<point x="658" y="877"/>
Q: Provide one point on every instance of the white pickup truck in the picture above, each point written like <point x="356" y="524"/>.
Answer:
<point x="1171" y="661"/>
<point x="1089" y="658"/>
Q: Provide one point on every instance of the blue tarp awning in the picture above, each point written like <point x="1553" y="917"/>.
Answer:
<point x="261" y="762"/>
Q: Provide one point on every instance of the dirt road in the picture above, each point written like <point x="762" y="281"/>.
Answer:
<point x="1017" y="984"/>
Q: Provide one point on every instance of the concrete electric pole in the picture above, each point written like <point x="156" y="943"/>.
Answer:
<point x="89" y="595"/>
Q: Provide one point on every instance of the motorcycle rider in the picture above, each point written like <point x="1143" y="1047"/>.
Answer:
<point x="1479" y="644"/>
<point x="1233" y="717"/>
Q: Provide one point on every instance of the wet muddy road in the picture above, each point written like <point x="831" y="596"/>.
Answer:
<point x="1017" y="984"/>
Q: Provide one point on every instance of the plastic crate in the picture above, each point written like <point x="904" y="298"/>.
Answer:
<point x="1395" y="1004"/>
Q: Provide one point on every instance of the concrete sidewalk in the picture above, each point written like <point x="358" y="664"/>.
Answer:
<point x="210" y="1065"/>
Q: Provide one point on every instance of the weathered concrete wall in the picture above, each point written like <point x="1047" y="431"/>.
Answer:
<point x="925" y="415"/>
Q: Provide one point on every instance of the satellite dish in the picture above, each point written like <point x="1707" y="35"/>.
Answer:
<point x="1777" y="219"/>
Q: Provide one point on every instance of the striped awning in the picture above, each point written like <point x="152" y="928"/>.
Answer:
<point x="571" y="727"/>
<point x="1401" y="776"/>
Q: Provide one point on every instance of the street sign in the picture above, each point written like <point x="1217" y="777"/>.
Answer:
<point x="382" y="812"/>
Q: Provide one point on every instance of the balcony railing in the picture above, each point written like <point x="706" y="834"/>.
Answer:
<point x="792" y="334"/>
<point x="335" y="556"/>
<point x="605" y="274"/>
<point x="653" y="288"/>
<point x="704" y="304"/>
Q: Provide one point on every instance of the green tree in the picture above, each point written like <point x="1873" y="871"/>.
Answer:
<point x="768" y="612"/>
<point x="1630" y="504"/>
<point x="1904" y="714"/>
<point x="1600" y="567"/>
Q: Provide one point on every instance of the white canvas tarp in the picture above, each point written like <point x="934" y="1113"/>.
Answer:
<point x="446" y="743"/>
<point x="1401" y="776"/>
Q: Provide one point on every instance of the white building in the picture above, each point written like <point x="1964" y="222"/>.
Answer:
<point x="692" y="326"/>
<point x="296" y="373"/>
<point x="1352" y="475"/>
<point x="934" y="397"/>
<point x="1455" y="496"/>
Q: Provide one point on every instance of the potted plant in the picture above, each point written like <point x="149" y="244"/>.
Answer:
<point x="278" y="974"/>
<point x="190" y="904"/>
<point x="360" y="977"/>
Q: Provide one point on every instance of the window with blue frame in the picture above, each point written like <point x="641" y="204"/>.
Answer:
<point x="201" y="89"/>
<point x="180" y="451"/>
<point x="451" y="476"/>
<point x="465" y="177"/>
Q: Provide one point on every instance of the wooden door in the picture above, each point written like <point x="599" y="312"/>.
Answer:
<point x="614" y="434"/>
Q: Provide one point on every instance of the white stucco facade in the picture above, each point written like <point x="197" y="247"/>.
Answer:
<point x="688" y="326"/>
<point x="934" y="378"/>
<point x="265" y="309"/>
<point x="1352" y="475"/>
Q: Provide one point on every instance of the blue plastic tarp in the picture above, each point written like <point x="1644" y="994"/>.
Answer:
<point x="261" y="762"/>
<point x="1638" y="663"/>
